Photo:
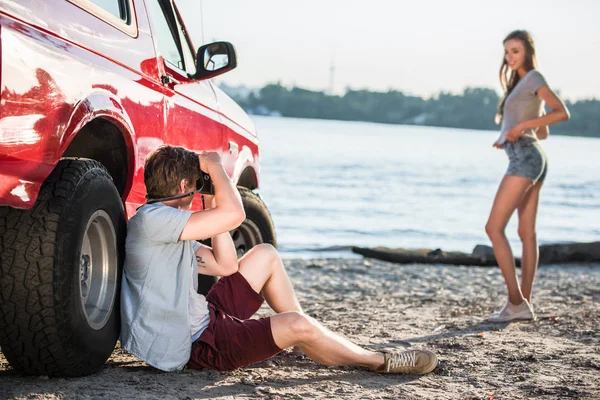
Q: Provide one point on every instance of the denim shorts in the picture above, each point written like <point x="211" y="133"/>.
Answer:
<point x="526" y="158"/>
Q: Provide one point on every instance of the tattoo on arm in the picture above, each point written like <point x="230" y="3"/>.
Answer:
<point x="199" y="259"/>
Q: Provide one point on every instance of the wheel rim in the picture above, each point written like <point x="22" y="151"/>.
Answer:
<point x="98" y="270"/>
<point x="246" y="236"/>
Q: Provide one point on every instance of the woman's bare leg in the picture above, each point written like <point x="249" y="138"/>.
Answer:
<point x="527" y="232"/>
<point x="510" y="194"/>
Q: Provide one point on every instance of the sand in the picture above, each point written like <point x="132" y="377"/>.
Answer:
<point x="384" y="306"/>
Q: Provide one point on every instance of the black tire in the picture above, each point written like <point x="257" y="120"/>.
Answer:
<point x="256" y="229"/>
<point x="52" y="323"/>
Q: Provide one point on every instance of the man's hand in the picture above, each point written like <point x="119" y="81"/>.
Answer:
<point x="208" y="160"/>
<point x="227" y="209"/>
<point x="498" y="145"/>
<point x="515" y="133"/>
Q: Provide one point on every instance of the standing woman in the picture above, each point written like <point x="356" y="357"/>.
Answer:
<point x="523" y="124"/>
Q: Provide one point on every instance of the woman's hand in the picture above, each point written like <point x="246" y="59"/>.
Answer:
<point x="515" y="133"/>
<point x="497" y="144"/>
<point x="542" y="132"/>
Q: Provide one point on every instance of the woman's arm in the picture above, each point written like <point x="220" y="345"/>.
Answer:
<point x="542" y="132"/>
<point x="558" y="112"/>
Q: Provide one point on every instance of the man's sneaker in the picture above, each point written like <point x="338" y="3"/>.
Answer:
<point x="511" y="312"/>
<point x="413" y="361"/>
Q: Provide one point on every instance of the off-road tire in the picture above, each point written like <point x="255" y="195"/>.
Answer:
<point x="43" y="325"/>
<point x="258" y="221"/>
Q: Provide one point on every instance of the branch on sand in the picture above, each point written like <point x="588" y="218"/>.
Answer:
<point x="484" y="255"/>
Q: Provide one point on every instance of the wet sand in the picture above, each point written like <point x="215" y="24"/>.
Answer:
<point x="381" y="305"/>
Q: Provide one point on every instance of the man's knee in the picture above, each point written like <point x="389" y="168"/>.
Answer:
<point x="268" y="255"/>
<point x="260" y="255"/>
<point x="267" y="250"/>
<point x="303" y="327"/>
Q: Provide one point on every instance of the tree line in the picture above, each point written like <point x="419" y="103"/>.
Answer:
<point x="474" y="108"/>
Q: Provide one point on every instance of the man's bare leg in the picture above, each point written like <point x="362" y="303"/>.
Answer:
<point x="319" y="343"/>
<point x="264" y="271"/>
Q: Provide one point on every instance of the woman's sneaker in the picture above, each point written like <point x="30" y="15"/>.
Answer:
<point x="413" y="361"/>
<point x="511" y="312"/>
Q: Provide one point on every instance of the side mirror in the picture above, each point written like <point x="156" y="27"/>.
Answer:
<point x="214" y="59"/>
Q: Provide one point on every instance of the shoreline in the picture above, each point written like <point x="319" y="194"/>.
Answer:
<point x="380" y="305"/>
<point x="564" y="253"/>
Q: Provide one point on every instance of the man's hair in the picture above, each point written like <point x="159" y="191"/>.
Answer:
<point x="165" y="167"/>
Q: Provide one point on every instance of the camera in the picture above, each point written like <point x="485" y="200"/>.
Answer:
<point x="204" y="184"/>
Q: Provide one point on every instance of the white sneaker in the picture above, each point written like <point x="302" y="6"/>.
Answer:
<point x="497" y="312"/>
<point x="511" y="312"/>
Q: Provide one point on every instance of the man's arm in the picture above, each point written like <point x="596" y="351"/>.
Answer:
<point x="229" y="211"/>
<point x="209" y="264"/>
<point x="223" y="249"/>
<point x="224" y="252"/>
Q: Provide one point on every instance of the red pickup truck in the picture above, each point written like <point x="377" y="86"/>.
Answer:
<point x="88" y="89"/>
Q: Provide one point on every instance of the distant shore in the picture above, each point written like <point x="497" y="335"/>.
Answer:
<point x="474" y="108"/>
<point x="384" y="306"/>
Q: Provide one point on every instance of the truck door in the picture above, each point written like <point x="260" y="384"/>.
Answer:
<point x="191" y="114"/>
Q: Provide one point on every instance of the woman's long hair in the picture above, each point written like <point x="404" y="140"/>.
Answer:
<point x="508" y="78"/>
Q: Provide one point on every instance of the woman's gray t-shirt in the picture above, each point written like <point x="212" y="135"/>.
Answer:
<point x="523" y="104"/>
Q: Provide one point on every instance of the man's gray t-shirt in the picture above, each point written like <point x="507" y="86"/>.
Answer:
<point x="523" y="104"/>
<point x="159" y="280"/>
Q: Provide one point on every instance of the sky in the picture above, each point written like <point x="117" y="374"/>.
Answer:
<point x="418" y="47"/>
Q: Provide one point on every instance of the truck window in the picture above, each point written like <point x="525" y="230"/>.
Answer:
<point x="163" y="34"/>
<point x="189" y="55"/>
<point x="118" y="13"/>
<point x="115" y="7"/>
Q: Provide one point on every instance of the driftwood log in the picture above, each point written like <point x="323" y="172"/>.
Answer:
<point x="484" y="255"/>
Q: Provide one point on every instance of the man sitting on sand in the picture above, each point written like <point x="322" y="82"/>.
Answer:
<point x="168" y="325"/>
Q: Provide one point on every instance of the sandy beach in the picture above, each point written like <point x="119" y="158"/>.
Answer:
<point x="382" y="305"/>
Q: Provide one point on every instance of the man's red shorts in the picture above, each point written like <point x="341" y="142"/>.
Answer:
<point x="232" y="340"/>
